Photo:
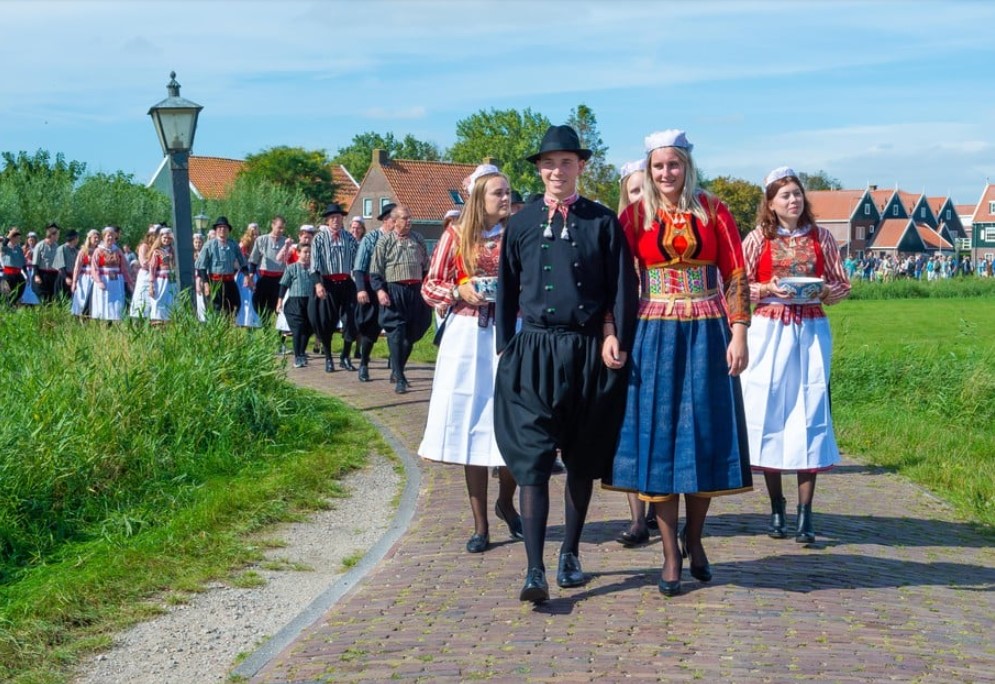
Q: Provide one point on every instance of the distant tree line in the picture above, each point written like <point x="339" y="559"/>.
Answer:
<point x="37" y="189"/>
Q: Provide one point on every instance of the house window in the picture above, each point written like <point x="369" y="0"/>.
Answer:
<point x="894" y="210"/>
<point x="922" y="213"/>
<point x="989" y="234"/>
<point x="991" y="207"/>
<point x="368" y="207"/>
<point x="456" y="198"/>
<point x="948" y="214"/>
<point x="384" y="201"/>
<point x="867" y="210"/>
<point x="860" y="233"/>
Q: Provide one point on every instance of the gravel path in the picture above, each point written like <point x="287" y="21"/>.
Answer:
<point x="199" y="641"/>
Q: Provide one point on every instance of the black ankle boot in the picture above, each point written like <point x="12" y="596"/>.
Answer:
<point x="778" y="520"/>
<point x="805" y="535"/>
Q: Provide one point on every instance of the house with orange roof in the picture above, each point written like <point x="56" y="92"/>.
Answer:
<point x="428" y="188"/>
<point x="213" y="177"/>
<point x="850" y="215"/>
<point x="983" y="225"/>
<point x="900" y="236"/>
<point x="947" y="214"/>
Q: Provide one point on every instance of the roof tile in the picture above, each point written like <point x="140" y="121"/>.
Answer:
<point x="213" y="176"/>
<point x="424" y="186"/>
<point x="833" y="205"/>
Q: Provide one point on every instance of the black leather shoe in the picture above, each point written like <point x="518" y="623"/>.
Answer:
<point x="558" y="466"/>
<point x="805" y="534"/>
<point x="777" y="519"/>
<point x="569" y="574"/>
<point x="329" y="366"/>
<point x="345" y="363"/>
<point x="514" y="522"/>
<point x="631" y="540"/>
<point x="535" y="589"/>
<point x="401" y="387"/>
<point x="393" y="377"/>
<point x="364" y="373"/>
<point x="298" y="362"/>
<point x="702" y="573"/>
<point x="478" y="543"/>
<point x="669" y="588"/>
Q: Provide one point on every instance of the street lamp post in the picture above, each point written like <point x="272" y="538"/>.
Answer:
<point x="175" y="120"/>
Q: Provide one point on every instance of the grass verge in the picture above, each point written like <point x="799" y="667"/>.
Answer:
<point x="136" y="462"/>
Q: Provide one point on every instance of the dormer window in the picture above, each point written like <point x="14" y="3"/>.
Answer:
<point x="456" y="198"/>
<point x="991" y="207"/>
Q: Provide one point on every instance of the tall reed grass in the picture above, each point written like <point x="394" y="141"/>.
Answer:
<point x="133" y="459"/>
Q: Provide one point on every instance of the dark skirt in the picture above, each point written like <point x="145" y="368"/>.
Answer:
<point x="368" y="316"/>
<point x="553" y="392"/>
<point x="266" y="294"/>
<point x="685" y="429"/>
<point x="295" y="311"/>
<point x="408" y="310"/>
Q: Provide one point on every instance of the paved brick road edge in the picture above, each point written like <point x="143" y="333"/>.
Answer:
<point x="897" y="589"/>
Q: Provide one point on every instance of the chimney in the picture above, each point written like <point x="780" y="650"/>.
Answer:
<point x="872" y="188"/>
<point x="492" y="160"/>
<point x="381" y="157"/>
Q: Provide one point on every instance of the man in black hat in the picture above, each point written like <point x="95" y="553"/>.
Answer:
<point x="367" y="306"/>
<point x="46" y="275"/>
<point x="333" y="253"/>
<point x="64" y="263"/>
<point x="397" y="269"/>
<point x="219" y="263"/>
<point x="566" y="269"/>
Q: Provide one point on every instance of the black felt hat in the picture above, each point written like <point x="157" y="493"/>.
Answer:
<point x="516" y="197"/>
<point x="71" y="235"/>
<point x="333" y="209"/>
<point x="385" y="212"/>
<point x="222" y="221"/>
<point x="560" y="139"/>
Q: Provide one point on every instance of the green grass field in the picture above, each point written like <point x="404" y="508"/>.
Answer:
<point x="913" y="385"/>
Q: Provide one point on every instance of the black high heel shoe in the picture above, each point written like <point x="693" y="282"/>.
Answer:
<point x="702" y="573"/>
<point x="630" y="539"/>
<point x="514" y="522"/>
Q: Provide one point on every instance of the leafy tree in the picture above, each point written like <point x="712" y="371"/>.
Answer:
<point x="37" y="190"/>
<point x="357" y="156"/>
<point x="257" y="201"/>
<point x="820" y="180"/>
<point x="600" y="179"/>
<point x="508" y="135"/>
<point x="307" y="172"/>
<point x="116" y="199"/>
<point x="742" y="197"/>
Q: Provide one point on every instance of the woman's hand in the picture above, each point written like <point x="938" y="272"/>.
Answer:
<point x="611" y="354"/>
<point x="737" y="354"/>
<point x="772" y="289"/>
<point x="279" y="306"/>
<point x="469" y="294"/>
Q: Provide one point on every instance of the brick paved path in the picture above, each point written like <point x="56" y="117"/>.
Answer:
<point x="897" y="589"/>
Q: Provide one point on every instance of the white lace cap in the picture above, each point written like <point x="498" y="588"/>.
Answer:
<point x="628" y="168"/>
<point x="671" y="137"/>
<point x="777" y="174"/>
<point x="482" y="170"/>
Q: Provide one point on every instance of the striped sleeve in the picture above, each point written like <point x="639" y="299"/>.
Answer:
<point x="437" y="289"/>
<point x="752" y="247"/>
<point x="833" y="273"/>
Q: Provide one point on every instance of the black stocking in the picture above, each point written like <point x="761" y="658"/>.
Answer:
<point x="577" y="498"/>
<point x="533" y="503"/>
<point x="476" y="487"/>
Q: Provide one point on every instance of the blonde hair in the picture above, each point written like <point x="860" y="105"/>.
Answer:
<point x="691" y="194"/>
<point x="470" y="224"/>
<point x="623" y="195"/>
<point x="157" y="243"/>
<point x="248" y="238"/>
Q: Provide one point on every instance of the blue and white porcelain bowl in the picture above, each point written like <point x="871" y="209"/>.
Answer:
<point x="802" y="290"/>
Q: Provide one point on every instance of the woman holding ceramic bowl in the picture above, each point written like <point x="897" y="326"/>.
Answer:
<point x="461" y="280"/>
<point x="794" y="268"/>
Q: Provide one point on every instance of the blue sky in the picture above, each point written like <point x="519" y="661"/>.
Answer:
<point x="881" y="92"/>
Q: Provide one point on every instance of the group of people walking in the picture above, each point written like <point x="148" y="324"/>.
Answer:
<point x="626" y="345"/>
